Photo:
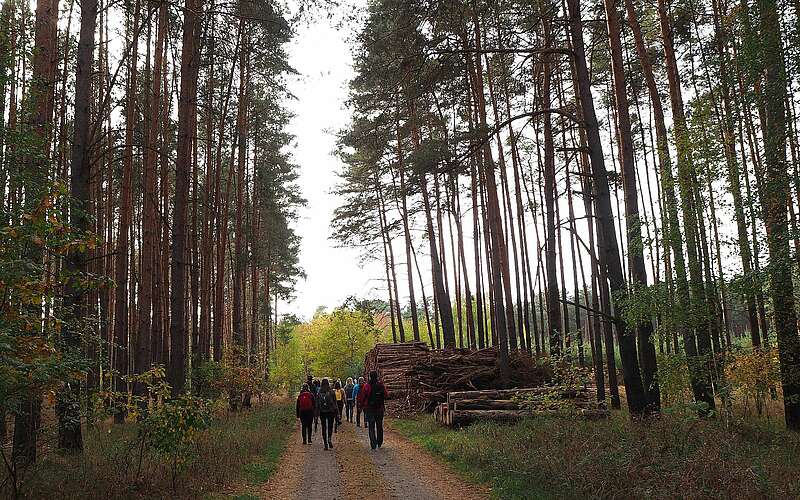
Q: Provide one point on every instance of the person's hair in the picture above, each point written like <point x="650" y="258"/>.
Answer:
<point x="373" y="377"/>
<point x="338" y="384"/>
<point x="305" y="388"/>
<point x="309" y="377"/>
<point x="316" y="382"/>
<point x="360" y="380"/>
<point x="326" y="385"/>
<point x="349" y="380"/>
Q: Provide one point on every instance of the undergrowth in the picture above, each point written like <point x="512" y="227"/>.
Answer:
<point x="667" y="457"/>
<point x="238" y="447"/>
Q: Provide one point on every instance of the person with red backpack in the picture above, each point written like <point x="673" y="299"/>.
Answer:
<point x="371" y="398"/>
<point x="305" y="412"/>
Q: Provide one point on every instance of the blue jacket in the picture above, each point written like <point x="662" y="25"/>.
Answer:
<point x="356" y="388"/>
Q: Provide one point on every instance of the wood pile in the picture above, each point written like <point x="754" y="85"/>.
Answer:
<point x="463" y="407"/>
<point x="434" y="375"/>
<point x="392" y="362"/>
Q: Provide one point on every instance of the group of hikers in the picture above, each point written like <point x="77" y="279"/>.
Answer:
<point x="318" y="402"/>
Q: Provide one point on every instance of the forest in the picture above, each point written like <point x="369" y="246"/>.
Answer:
<point x="608" y="190"/>
<point x="608" y="181"/>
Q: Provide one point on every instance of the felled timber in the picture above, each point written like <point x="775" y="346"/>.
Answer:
<point x="438" y="373"/>
<point x="392" y="362"/>
<point x="464" y="407"/>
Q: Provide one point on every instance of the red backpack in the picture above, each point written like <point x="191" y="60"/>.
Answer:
<point x="306" y="401"/>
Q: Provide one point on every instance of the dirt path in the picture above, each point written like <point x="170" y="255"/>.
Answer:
<point x="399" y="470"/>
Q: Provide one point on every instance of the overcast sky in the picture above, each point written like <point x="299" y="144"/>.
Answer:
<point x="321" y="54"/>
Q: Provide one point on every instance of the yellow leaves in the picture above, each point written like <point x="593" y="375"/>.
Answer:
<point x="30" y="348"/>
<point x="755" y="372"/>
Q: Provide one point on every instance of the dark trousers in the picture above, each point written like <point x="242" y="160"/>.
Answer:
<point x="307" y="421"/>
<point x="328" y="421"/>
<point x="375" y="423"/>
<point x="349" y="410"/>
<point x="358" y="415"/>
<point x="340" y="406"/>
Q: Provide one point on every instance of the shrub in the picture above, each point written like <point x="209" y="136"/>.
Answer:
<point x="752" y="376"/>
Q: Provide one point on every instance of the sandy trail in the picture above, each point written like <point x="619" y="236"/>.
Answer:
<point x="399" y="470"/>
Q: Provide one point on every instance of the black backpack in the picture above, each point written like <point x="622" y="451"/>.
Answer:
<point x="377" y="394"/>
<point x="326" y="402"/>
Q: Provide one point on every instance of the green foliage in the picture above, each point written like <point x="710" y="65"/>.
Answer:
<point x="641" y="303"/>
<point x="330" y="345"/>
<point x="566" y="377"/>
<point x="172" y="426"/>
<point x="673" y="379"/>
<point x="336" y="343"/>
<point x="33" y="363"/>
<point x="166" y="425"/>
<point x="207" y="379"/>
<point x="233" y="378"/>
<point x="286" y="370"/>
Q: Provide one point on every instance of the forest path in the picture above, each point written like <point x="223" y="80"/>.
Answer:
<point x="399" y="470"/>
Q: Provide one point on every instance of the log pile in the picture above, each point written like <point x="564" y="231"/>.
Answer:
<point x="438" y="373"/>
<point x="463" y="407"/>
<point x="392" y="362"/>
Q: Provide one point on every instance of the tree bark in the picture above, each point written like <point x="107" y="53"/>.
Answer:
<point x="775" y="198"/>
<point x="608" y="254"/>
<point x="638" y="271"/>
<point x="187" y="127"/>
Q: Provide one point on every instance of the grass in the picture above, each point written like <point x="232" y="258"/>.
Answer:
<point x="668" y="457"/>
<point x="266" y="464"/>
<point x="238" y="448"/>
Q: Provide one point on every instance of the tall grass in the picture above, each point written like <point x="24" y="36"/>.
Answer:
<point x="238" y="447"/>
<point x="667" y="457"/>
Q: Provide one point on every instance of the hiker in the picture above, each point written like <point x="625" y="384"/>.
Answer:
<point x="315" y="392"/>
<point x="305" y="412"/>
<point x="372" y="397"/>
<point x="356" y="390"/>
<point x="340" y="397"/>
<point x="326" y="409"/>
<point x="348" y="394"/>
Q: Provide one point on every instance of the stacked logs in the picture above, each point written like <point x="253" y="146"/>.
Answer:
<point x="438" y="373"/>
<point x="392" y="362"/>
<point x="463" y="407"/>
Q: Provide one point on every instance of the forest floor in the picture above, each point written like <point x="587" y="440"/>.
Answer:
<point x="400" y="469"/>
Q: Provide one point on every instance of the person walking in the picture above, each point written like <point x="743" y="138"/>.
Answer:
<point x="326" y="409"/>
<point x="315" y="391"/>
<point x="348" y="394"/>
<point x="340" y="397"/>
<point x="372" y="398"/>
<point x="356" y="390"/>
<point x="305" y="409"/>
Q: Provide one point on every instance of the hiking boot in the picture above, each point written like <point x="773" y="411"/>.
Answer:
<point x="330" y="445"/>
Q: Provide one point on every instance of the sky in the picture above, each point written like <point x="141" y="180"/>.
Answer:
<point x="321" y="55"/>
